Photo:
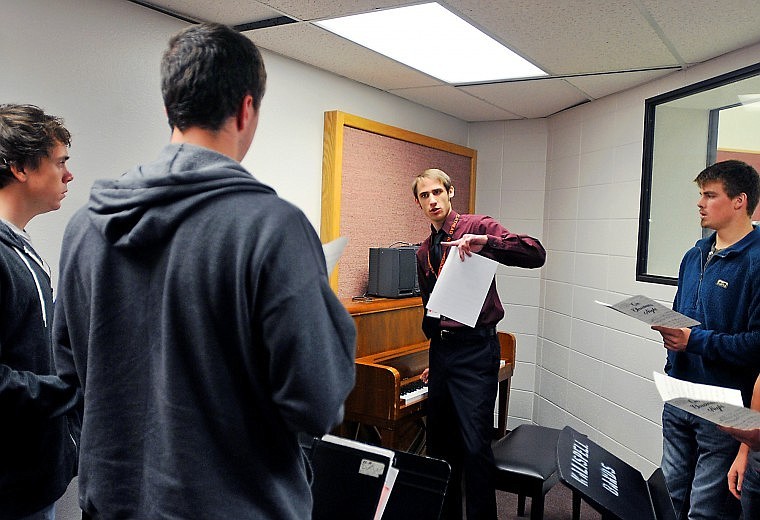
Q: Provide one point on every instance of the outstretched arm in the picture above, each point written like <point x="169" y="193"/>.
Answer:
<point x="497" y="243"/>
<point x="750" y="440"/>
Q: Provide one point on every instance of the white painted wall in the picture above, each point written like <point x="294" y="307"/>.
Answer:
<point x="511" y="188"/>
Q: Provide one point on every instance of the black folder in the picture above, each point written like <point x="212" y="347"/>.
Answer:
<point x="348" y="480"/>
<point x="419" y="489"/>
<point x="611" y="486"/>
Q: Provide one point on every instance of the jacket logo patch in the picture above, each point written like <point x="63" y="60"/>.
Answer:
<point x="722" y="283"/>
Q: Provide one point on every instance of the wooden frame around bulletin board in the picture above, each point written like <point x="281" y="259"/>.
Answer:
<point x="367" y="173"/>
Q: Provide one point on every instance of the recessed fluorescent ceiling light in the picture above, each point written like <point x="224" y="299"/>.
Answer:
<point x="432" y="39"/>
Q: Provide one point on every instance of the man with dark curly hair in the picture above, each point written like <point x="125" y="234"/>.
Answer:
<point x="37" y="446"/>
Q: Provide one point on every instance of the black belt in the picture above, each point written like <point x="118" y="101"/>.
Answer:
<point x="464" y="333"/>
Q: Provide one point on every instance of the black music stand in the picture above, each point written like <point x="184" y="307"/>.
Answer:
<point x="420" y="487"/>
<point x="611" y="486"/>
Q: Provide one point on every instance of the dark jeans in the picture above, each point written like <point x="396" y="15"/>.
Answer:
<point x="696" y="457"/>
<point x="751" y="488"/>
<point x="461" y="394"/>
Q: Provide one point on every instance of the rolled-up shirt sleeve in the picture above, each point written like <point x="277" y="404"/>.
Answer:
<point x="513" y="249"/>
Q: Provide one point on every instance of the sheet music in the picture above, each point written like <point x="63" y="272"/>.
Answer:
<point x="462" y="286"/>
<point x="332" y="251"/>
<point x="723" y="406"/>
<point x="651" y="312"/>
<point x="361" y="446"/>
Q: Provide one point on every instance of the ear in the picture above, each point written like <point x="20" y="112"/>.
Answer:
<point x="18" y="174"/>
<point x="417" y="201"/>
<point x="245" y="112"/>
<point x="740" y="201"/>
<point x="451" y="192"/>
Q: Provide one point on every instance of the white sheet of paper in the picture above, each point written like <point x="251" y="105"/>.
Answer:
<point x="332" y="251"/>
<point x="722" y="406"/>
<point x="670" y="388"/>
<point x="651" y="312"/>
<point x="462" y="287"/>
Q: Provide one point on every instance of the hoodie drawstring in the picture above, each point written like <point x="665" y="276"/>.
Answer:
<point x="36" y="282"/>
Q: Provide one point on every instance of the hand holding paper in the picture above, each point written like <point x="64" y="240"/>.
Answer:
<point x="750" y="437"/>
<point x="468" y="244"/>
<point x="722" y="406"/>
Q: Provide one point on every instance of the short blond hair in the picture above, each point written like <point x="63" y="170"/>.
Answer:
<point x="435" y="174"/>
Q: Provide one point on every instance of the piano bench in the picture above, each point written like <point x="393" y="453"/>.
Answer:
<point x="526" y="464"/>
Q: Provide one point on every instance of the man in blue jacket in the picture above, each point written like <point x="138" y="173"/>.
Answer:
<point x="37" y="449"/>
<point x="719" y="286"/>
<point x="195" y="312"/>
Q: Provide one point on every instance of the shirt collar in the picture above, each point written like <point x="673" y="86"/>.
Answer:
<point x="446" y="224"/>
<point x="18" y="231"/>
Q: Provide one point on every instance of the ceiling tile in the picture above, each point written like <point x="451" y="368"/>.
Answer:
<point x="529" y="99"/>
<point x="313" y="45"/>
<point x="314" y="10"/>
<point x="565" y="36"/>
<point x="455" y="102"/>
<point x="719" y="28"/>
<point x="228" y="12"/>
<point x="600" y="85"/>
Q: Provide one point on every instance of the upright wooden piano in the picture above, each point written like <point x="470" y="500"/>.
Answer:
<point x="391" y="353"/>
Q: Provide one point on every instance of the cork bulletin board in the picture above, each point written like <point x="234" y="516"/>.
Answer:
<point x="367" y="173"/>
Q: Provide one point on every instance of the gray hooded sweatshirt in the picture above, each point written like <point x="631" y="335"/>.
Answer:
<point x="194" y="311"/>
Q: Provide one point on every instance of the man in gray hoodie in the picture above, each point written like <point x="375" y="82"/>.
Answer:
<point x="194" y="311"/>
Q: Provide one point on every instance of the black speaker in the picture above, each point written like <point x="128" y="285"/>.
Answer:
<point x="393" y="272"/>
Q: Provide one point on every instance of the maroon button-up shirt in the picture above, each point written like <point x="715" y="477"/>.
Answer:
<point x="504" y="247"/>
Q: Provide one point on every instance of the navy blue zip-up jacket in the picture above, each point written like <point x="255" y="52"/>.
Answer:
<point x="37" y="451"/>
<point x="724" y="295"/>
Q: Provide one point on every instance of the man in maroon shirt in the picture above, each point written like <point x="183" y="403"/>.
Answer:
<point x="464" y="361"/>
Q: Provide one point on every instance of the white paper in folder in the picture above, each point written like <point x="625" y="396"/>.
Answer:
<point x="332" y="251"/>
<point x="462" y="287"/>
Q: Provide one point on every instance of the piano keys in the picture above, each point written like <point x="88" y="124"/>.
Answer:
<point x="412" y="392"/>
<point x="376" y="398"/>
<point x="391" y="354"/>
<point x="417" y="390"/>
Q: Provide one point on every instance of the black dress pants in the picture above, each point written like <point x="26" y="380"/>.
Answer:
<point x="462" y="389"/>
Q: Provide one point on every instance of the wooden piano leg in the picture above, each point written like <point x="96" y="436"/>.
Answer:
<point x="406" y="435"/>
